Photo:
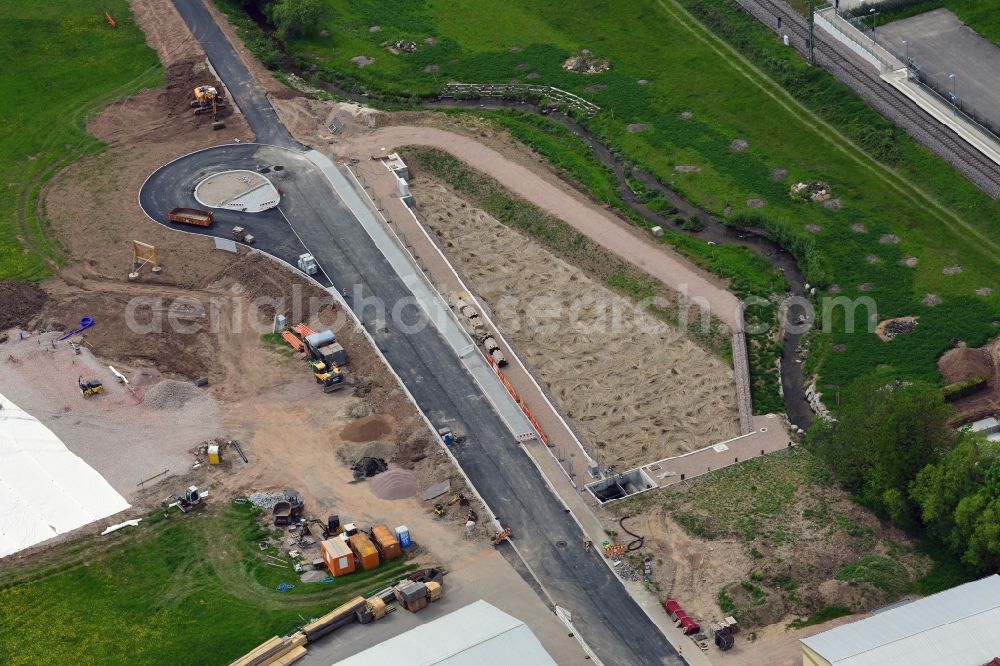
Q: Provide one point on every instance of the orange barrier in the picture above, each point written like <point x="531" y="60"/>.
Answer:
<point x="303" y="330"/>
<point x="293" y="341"/>
<point x="517" y="398"/>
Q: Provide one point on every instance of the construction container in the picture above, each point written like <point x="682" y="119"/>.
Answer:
<point x="403" y="536"/>
<point x="338" y="556"/>
<point x="433" y="591"/>
<point x="364" y="551"/>
<point x="322" y="339"/>
<point x="199" y="218"/>
<point x="214" y="456"/>
<point x="386" y="543"/>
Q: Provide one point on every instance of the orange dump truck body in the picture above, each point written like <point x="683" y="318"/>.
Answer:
<point x="386" y="543"/>
<point x="199" y="218"/>
<point x="338" y="556"/>
<point x="364" y="551"/>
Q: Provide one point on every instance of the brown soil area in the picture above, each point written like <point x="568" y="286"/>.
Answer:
<point x="19" y="303"/>
<point x="267" y="400"/>
<point x="637" y="389"/>
<point x="962" y="363"/>
<point x="367" y="429"/>
<point x="787" y="548"/>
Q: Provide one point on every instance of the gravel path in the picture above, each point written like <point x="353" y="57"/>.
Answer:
<point x="659" y="261"/>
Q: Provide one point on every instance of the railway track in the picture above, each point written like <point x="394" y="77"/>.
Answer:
<point x="849" y="69"/>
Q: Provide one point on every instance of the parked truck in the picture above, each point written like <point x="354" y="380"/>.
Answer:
<point x="194" y="216"/>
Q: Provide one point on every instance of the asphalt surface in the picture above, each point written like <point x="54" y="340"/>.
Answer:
<point x="313" y="216"/>
<point x="240" y="86"/>
<point x="939" y="44"/>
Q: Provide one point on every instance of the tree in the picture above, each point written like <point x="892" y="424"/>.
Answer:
<point x="885" y="434"/>
<point x="295" y="18"/>
<point x="959" y="500"/>
<point x="940" y="487"/>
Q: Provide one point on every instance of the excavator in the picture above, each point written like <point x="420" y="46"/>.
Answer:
<point x="208" y="99"/>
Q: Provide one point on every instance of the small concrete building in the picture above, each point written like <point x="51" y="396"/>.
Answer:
<point x="957" y="627"/>
<point x="394" y="163"/>
<point x="477" y="635"/>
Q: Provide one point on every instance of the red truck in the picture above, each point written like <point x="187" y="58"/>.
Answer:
<point x="199" y="218"/>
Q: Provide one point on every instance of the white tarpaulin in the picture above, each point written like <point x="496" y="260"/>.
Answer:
<point x="45" y="489"/>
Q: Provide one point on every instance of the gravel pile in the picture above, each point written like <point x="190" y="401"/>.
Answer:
<point x="170" y="394"/>
<point x="266" y="500"/>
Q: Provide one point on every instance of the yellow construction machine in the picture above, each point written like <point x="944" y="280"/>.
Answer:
<point x="208" y="99"/>
<point x="89" y="387"/>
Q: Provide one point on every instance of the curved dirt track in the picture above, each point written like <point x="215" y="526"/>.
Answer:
<point x="566" y="204"/>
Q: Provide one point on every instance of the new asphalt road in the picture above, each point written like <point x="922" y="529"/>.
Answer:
<point x="313" y="217"/>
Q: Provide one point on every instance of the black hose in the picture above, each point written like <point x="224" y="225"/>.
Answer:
<point x="637" y="542"/>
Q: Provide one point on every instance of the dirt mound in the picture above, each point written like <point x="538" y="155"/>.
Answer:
<point x="19" y="303"/>
<point x="584" y="62"/>
<point x="637" y="127"/>
<point x="395" y="484"/>
<point x="367" y="429"/>
<point x="170" y="394"/>
<point x="961" y="363"/>
<point x="182" y="78"/>
<point x="890" y="328"/>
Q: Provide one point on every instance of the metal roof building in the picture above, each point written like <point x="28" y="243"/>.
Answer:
<point x="45" y="489"/>
<point x="477" y="635"/>
<point x="957" y="627"/>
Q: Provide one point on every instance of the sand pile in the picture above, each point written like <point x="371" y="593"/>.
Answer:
<point x="394" y="484"/>
<point x="170" y="394"/>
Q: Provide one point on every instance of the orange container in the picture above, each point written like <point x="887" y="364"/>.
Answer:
<point x="386" y="543"/>
<point x="364" y="551"/>
<point x="338" y="556"/>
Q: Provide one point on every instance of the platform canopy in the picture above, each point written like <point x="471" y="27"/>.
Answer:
<point x="45" y="489"/>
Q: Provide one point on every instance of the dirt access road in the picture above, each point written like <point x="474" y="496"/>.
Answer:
<point x="564" y="203"/>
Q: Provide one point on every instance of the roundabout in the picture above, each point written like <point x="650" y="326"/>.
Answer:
<point x="239" y="189"/>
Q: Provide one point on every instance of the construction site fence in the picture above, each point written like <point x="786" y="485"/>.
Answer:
<point x="519" y="400"/>
<point x="518" y="91"/>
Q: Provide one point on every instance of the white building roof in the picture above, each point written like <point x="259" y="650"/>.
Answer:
<point x="477" y="635"/>
<point x="45" y="489"/>
<point x="989" y="424"/>
<point x="955" y="627"/>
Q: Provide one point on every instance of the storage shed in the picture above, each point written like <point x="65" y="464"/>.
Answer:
<point x="338" y="556"/>
<point x="364" y="551"/>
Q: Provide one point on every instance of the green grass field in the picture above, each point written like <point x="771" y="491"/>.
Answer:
<point x="738" y="82"/>
<point x="62" y="63"/>
<point x="188" y="589"/>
